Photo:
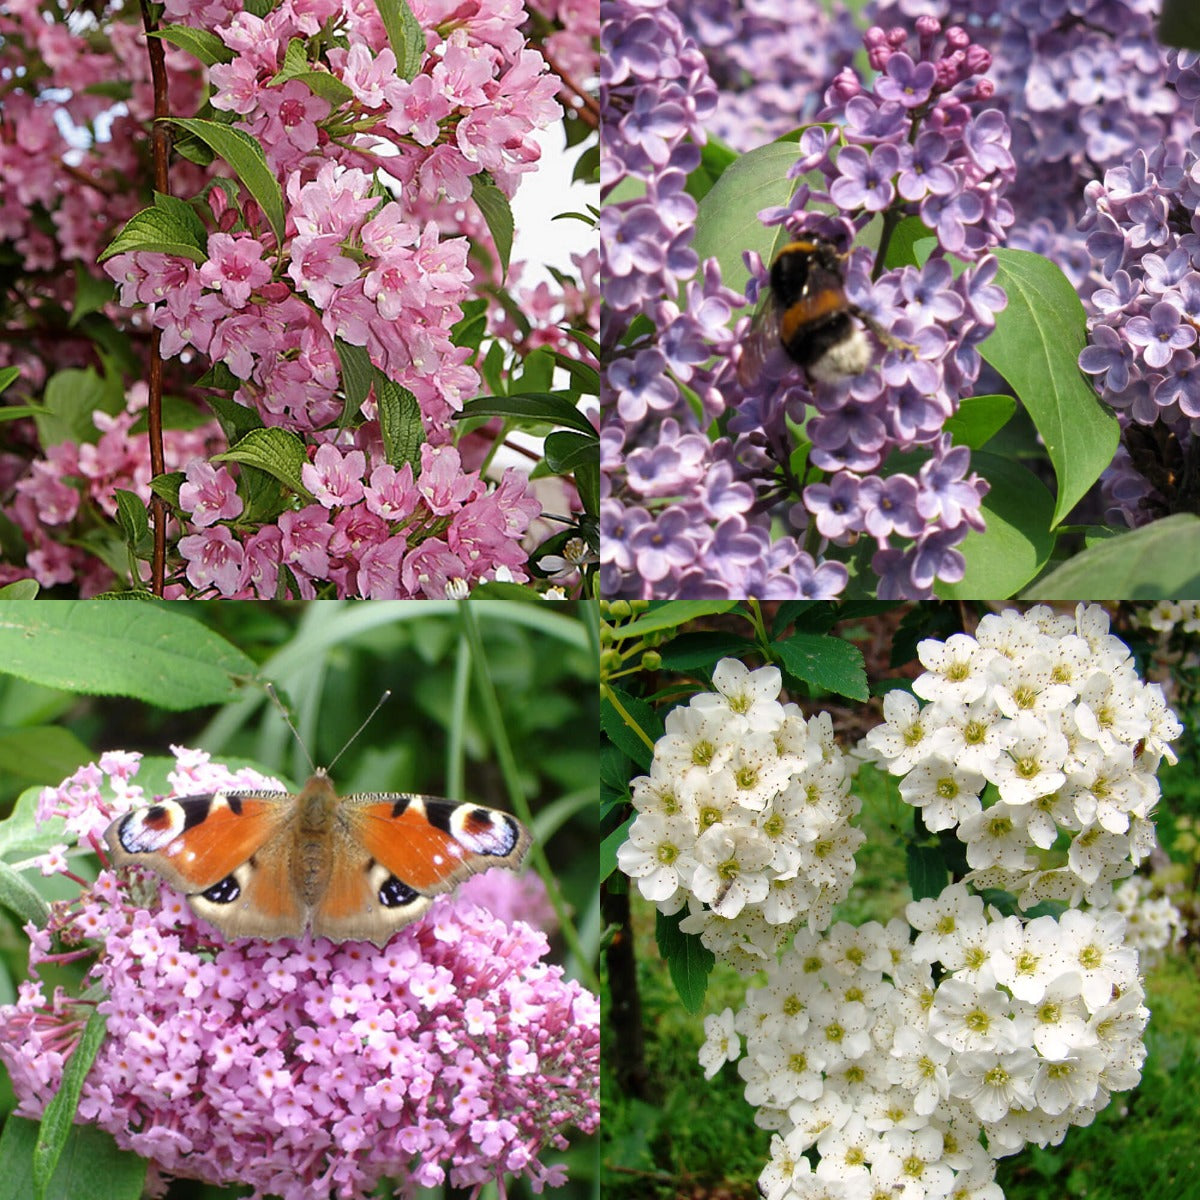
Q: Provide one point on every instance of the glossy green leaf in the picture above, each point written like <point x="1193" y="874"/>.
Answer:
<point x="1036" y="346"/>
<point x="927" y="874"/>
<point x="827" y="663"/>
<point x="497" y="213"/>
<point x="979" y="419"/>
<point x="671" y="615"/>
<point x="405" y="36"/>
<point x="276" y="451"/>
<point x="541" y="408"/>
<point x="199" y="43"/>
<point x="399" y="423"/>
<point x="169" y="226"/>
<point x="688" y="959"/>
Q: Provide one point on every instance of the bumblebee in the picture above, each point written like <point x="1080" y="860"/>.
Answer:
<point x="808" y="314"/>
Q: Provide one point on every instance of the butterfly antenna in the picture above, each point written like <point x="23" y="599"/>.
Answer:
<point x="382" y="700"/>
<point x="295" y="732"/>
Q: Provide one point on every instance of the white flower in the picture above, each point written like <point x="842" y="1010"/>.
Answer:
<point x="996" y="837"/>
<point x="1068" y="1081"/>
<point x="1060" y="1019"/>
<point x="730" y="870"/>
<point x="910" y="1165"/>
<point x="1032" y="765"/>
<point x="964" y="1017"/>
<point x="753" y="695"/>
<point x="942" y="922"/>
<point x="901" y="741"/>
<point x="919" y="1064"/>
<point x="653" y="854"/>
<point x="956" y="670"/>
<point x="721" y="1044"/>
<point x="945" y="793"/>
<point x="1027" y="956"/>
<point x="995" y="1081"/>
<point x="1094" y="945"/>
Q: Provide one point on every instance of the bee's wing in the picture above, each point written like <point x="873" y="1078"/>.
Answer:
<point x="759" y="343"/>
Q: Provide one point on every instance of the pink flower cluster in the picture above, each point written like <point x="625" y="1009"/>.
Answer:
<point x="375" y="531"/>
<point x="307" y="1069"/>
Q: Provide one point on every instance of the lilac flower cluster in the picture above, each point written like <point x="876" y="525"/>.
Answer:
<point x="301" y="1068"/>
<point x="916" y="143"/>
<point x="1082" y="86"/>
<point x="1144" y="349"/>
<point x="655" y="92"/>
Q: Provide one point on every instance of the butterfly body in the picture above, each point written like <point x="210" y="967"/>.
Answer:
<point x="273" y="864"/>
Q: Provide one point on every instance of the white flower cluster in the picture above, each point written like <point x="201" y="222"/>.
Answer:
<point x="1165" y="616"/>
<point x="744" y="817"/>
<point x="1152" y="922"/>
<point x="1047" y="713"/>
<point x="853" y="1050"/>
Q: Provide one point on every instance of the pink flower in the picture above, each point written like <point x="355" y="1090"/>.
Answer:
<point x="333" y="478"/>
<point x="261" y="564"/>
<point x="379" y="570"/>
<point x="455" y="1053"/>
<point x="209" y="495"/>
<point x="306" y="537"/>
<point x="431" y="570"/>
<point x="215" y="559"/>
<point x="235" y="267"/>
<point x="442" y="481"/>
<point x="390" y="493"/>
<point x="292" y="116"/>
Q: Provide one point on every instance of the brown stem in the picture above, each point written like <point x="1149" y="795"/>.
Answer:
<point x="590" y="111"/>
<point x="625" y="1008"/>
<point x="160" y="143"/>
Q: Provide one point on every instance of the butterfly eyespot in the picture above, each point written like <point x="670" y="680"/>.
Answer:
<point x="394" y="894"/>
<point x="224" y="892"/>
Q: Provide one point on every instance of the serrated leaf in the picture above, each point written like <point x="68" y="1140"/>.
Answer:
<point x="689" y="960"/>
<point x="405" y="36"/>
<point x="627" y="739"/>
<point x="399" y="423"/>
<point x="497" y="212"/>
<point x="276" y="451"/>
<point x="827" y="663"/>
<point x="1157" y="562"/>
<point x="153" y="653"/>
<point x="927" y="874"/>
<point x="162" y="229"/>
<point x="199" y="43"/>
<point x="1036" y="346"/>
<point x="59" y="1114"/>
<point x="249" y="164"/>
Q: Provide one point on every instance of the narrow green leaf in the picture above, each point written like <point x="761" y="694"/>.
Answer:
<point x="927" y="874"/>
<point x="131" y="516"/>
<point x="672" y="614"/>
<point x="827" y="663"/>
<point x="399" y="423"/>
<point x="199" y="43"/>
<point x="544" y="408"/>
<point x="21" y="898"/>
<point x="585" y="376"/>
<point x="497" y="212"/>
<point x="249" y="163"/>
<point x="59" y="1115"/>
<point x="357" y="374"/>
<point x="689" y="960"/>
<point x="153" y="652"/>
<point x="276" y="451"/>
<point x="169" y="226"/>
<point x="587" y="484"/>
<point x="1036" y="346"/>
<point x="91" y="1165"/>
<point x="8" y="375"/>
<point x="405" y="36"/>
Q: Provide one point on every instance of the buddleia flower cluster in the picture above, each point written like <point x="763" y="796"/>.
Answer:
<point x="1036" y="734"/>
<point x="744" y="818"/>
<point x="853" y="1051"/>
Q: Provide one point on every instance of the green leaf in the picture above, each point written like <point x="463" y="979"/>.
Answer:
<point x="585" y="376"/>
<point x="276" y="451"/>
<point x="927" y="874"/>
<point x="621" y="735"/>
<point x="167" y="486"/>
<point x="22" y="835"/>
<point x="71" y="400"/>
<point x="91" y="1165"/>
<point x="689" y="960"/>
<point x="92" y="293"/>
<point x="532" y="408"/>
<point x="979" y="419"/>
<point x="827" y="663"/>
<point x="566" y="452"/>
<point x="1179" y="24"/>
<point x="236" y="419"/>
<point x="901" y="249"/>
<point x="131" y="516"/>
<point x="152" y="652"/>
<point x="672" y="614"/>
<point x="497" y="212"/>
<point x="609" y="847"/>
<point x="8" y="375"/>
<point x="20" y="589"/>
<point x="40" y="754"/>
<point x="587" y="484"/>
<point x="1018" y="542"/>
<point x="1157" y="562"/>
<point x="399" y="423"/>
<point x="169" y="226"/>
<point x="1036" y="346"/>
<point x="702" y="651"/>
<point x="357" y="374"/>
<point x="727" y="222"/>
<point x="322" y="84"/>
<point x="405" y="36"/>
<point x="59" y="1115"/>
<point x="249" y="164"/>
<point x="21" y="898"/>
<point x="199" y="43"/>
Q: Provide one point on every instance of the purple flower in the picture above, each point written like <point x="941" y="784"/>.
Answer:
<point x="663" y="545"/>
<point x="906" y="82"/>
<point x="834" y="506"/>
<point x="1160" y="334"/>
<point x="865" y="180"/>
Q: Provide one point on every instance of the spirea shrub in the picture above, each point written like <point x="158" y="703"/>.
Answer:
<point x="303" y="1068"/>
<point x="905" y="1058"/>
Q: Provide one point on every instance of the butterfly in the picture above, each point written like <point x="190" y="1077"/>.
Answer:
<point x="273" y="864"/>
